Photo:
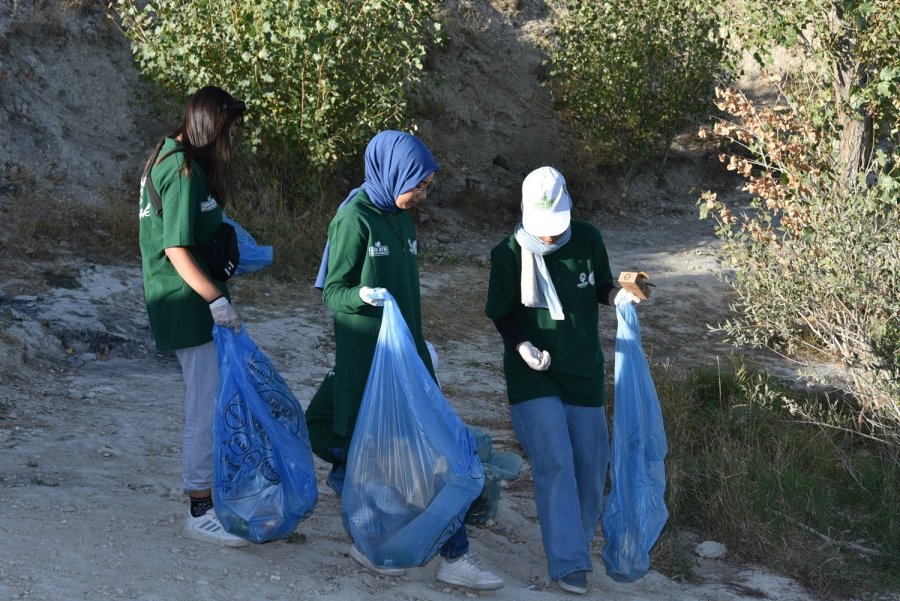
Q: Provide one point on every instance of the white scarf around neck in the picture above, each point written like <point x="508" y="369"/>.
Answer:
<point x="537" y="288"/>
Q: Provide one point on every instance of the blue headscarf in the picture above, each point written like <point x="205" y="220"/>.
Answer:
<point x="396" y="162"/>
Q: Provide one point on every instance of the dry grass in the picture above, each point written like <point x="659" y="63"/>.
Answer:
<point x="37" y="229"/>
<point x="278" y="199"/>
<point x="51" y="16"/>
<point x="818" y="506"/>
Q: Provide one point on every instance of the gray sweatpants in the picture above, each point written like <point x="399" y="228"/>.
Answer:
<point x="201" y="381"/>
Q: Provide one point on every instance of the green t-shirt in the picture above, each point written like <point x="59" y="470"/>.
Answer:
<point x="379" y="249"/>
<point x="179" y="317"/>
<point x="578" y="270"/>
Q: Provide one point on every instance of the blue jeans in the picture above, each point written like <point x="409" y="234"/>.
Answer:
<point x="456" y="546"/>
<point x="568" y="447"/>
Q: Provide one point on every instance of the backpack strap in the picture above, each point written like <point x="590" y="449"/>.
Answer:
<point x="151" y="189"/>
<point x="154" y="197"/>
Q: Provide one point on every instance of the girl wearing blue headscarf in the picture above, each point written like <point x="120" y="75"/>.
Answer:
<point x="372" y="245"/>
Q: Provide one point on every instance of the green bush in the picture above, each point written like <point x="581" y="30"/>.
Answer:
<point x="631" y="74"/>
<point x="319" y="75"/>
<point x="817" y="258"/>
<point x="847" y="78"/>
<point x="817" y="263"/>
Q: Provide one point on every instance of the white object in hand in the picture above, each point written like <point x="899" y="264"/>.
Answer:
<point x="623" y="296"/>
<point x="533" y="357"/>
<point x="224" y="314"/>
<point x="373" y="296"/>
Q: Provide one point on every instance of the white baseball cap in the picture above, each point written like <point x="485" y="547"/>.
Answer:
<point x="546" y="206"/>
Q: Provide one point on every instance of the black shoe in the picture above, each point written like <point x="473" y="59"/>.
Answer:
<point x="574" y="582"/>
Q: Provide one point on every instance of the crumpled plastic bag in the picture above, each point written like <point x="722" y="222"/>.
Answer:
<point x="264" y="478"/>
<point x="412" y="467"/>
<point x="635" y="511"/>
<point x="498" y="466"/>
<point x="253" y="256"/>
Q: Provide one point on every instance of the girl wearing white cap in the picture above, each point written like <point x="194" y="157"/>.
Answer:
<point x="546" y="281"/>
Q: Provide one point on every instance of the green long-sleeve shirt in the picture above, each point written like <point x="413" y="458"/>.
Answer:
<point x="379" y="249"/>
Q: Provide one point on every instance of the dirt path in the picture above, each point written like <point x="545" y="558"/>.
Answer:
<point x="89" y="480"/>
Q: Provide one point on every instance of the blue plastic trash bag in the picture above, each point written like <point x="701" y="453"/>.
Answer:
<point x="253" y="256"/>
<point x="265" y="482"/>
<point x="498" y="466"/>
<point x="412" y="470"/>
<point x="635" y="510"/>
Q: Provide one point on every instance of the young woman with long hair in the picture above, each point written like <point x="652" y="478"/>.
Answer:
<point x="190" y="170"/>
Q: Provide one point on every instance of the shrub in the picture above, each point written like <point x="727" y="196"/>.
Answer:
<point x="319" y="75"/>
<point x="848" y="81"/>
<point x="631" y="74"/>
<point x="806" y="502"/>
<point x="817" y="258"/>
<point x="817" y="263"/>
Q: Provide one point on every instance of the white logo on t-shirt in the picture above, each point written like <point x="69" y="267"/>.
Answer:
<point x="142" y="212"/>
<point x="585" y="280"/>
<point x="209" y="204"/>
<point x="379" y="250"/>
<point x="413" y="246"/>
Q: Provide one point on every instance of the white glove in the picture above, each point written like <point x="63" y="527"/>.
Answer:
<point x="224" y="314"/>
<point x="623" y="297"/>
<point x="535" y="359"/>
<point x="373" y="296"/>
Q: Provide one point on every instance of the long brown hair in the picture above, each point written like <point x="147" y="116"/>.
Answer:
<point x="205" y="137"/>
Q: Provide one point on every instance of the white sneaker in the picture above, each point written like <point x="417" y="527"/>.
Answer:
<point x="364" y="561"/>
<point x="208" y="529"/>
<point x="468" y="572"/>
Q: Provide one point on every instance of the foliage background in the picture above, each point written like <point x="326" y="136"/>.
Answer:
<point x="320" y="77"/>
<point x="630" y="75"/>
<point x="817" y="256"/>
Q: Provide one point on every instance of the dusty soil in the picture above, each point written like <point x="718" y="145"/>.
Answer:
<point x="90" y="414"/>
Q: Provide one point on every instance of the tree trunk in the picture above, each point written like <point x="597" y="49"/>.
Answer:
<point x="855" y="150"/>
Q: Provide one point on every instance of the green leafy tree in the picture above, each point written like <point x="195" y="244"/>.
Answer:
<point x="319" y="75"/>
<point x="817" y="258"/>
<point x="849" y="80"/>
<point x="630" y="75"/>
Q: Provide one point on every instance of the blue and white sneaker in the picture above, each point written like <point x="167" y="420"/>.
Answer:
<point x="208" y="528"/>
